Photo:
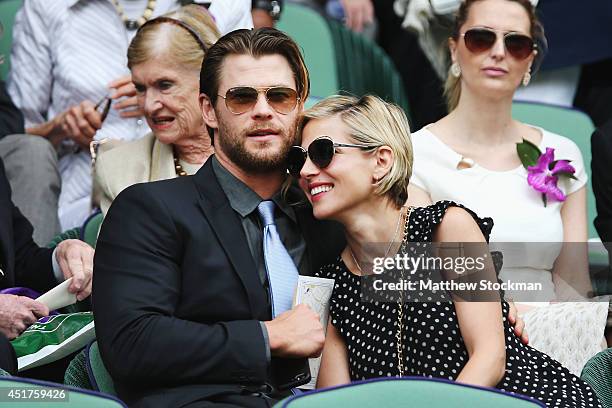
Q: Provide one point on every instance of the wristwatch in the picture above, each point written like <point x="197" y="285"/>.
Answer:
<point x="273" y="7"/>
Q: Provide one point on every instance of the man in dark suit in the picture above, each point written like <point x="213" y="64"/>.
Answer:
<point x="23" y="263"/>
<point x="182" y="286"/>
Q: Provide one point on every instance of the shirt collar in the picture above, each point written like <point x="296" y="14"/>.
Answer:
<point x="241" y="197"/>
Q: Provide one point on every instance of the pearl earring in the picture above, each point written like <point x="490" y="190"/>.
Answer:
<point x="526" y="78"/>
<point x="455" y="70"/>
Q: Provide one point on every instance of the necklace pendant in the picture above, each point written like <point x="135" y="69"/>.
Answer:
<point x="131" y="24"/>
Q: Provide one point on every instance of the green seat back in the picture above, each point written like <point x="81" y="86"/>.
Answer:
<point x="597" y="372"/>
<point x="408" y="392"/>
<point x="311" y="32"/>
<point x="87" y="371"/>
<point x="570" y="123"/>
<point x="76" y="373"/>
<point x="75" y="398"/>
<point x="91" y="227"/>
<point x="8" y="10"/>
<point x="98" y="370"/>
<point x="364" y="68"/>
<point x="73" y="233"/>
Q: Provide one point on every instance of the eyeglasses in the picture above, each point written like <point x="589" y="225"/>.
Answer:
<point x="103" y="107"/>
<point x="479" y="40"/>
<point x="242" y="99"/>
<point x="321" y="152"/>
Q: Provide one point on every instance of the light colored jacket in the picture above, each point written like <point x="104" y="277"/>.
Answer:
<point x="130" y="163"/>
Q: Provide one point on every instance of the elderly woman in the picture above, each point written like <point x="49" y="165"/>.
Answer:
<point x="354" y="164"/>
<point x="165" y="58"/>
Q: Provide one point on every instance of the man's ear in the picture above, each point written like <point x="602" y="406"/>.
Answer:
<point x="384" y="161"/>
<point x="208" y="112"/>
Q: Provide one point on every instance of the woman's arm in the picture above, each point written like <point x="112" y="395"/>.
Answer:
<point x="571" y="269"/>
<point x="417" y="197"/>
<point x="334" y="368"/>
<point x="480" y="322"/>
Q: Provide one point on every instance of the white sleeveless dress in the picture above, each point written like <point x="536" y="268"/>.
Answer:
<point x="520" y="218"/>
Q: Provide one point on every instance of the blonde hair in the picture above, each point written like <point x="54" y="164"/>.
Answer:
<point x="374" y="123"/>
<point x="175" y="40"/>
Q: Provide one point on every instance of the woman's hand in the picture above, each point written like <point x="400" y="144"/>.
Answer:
<point x="129" y="107"/>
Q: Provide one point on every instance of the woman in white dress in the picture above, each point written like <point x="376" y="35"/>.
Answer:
<point x="470" y="156"/>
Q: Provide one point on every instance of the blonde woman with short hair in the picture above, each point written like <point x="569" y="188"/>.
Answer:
<point x="353" y="164"/>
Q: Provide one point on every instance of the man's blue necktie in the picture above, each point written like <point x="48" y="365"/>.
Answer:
<point x="282" y="273"/>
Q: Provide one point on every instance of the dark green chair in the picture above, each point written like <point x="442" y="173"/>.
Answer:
<point x="8" y="10"/>
<point x="75" y="398"/>
<point x="91" y="227"/>
<point x="311" y="31"/>
<point x="597" y="372"/>
<point x="87" y="371"/>
<point x="364" y="68"/>
<point x="408" y="392"/>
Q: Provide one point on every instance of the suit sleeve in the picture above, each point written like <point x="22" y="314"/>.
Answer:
<point x="33" y="267"/>
<point x="11" y="119"/>
<point x="601" y="150"/>
<point x="137" y="288"/>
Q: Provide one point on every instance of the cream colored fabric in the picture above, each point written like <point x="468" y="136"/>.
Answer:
<point x="569" y="332"/>
<point x="129" y="163"/>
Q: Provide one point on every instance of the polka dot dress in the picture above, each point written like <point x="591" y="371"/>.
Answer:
<point x="431" y="339"/>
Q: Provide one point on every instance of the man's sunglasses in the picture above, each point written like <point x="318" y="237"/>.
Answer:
<point x="321" y="152"/>
<point x="479" y="40"/>
<point x="242" y="99"/>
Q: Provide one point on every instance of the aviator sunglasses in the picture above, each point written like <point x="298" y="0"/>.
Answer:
<point x="241" y="99"/>
<point x="321" y="152"/>
<point x="478" y="40"/>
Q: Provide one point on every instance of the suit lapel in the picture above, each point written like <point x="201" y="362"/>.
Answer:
<point x="228" y="229"/>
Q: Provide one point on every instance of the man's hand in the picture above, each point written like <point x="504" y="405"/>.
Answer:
<point x="79" y="123"/>
<point x="518" y="323"/>
<point x="358" y="13"/>
<point x="17" y="313"/>
<point x="75" y="259"/>
<point x="128" y="107"/>
<point x="296" y="333"/>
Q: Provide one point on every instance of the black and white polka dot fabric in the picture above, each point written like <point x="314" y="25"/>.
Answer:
<point x="432" y="342"/>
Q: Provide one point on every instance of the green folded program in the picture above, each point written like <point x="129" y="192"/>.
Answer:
<point x="50" y="331"/>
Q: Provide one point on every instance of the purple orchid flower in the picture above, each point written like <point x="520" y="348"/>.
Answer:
<point x="543" y="177"/>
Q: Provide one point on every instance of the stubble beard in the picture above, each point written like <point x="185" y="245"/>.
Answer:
<point x="233" y="144"/>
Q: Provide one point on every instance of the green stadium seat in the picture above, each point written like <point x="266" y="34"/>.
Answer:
<point x="597" y="372"/>
<point x="76" y="398"/>
<point x="91" y="227"/>
<point x="408" y="392"/>
<point x="364" y="68"/>
<point x="311" y="31"/>
<point x="87" y="371"/>
<point x="8" y="10"/>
